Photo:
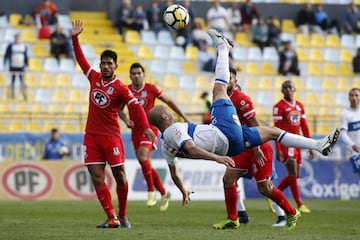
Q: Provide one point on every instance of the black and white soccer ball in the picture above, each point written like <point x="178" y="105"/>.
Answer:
<point x="176" y="17"/>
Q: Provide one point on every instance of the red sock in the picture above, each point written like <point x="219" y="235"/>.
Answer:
<point x="279" y="197"/>
<point x="147" y="172"/>
<point x="294" y="187"/>
<point x="157" y="182"/>
<point x="284" y="183"/>
<point x="122" y="193"/>
<point x="231" y="198"/>
<point x="104" y="196"/>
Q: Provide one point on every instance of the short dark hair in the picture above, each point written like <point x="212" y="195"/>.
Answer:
<point x="54" y="130"/>
<point x="110" y="54"/>
<point x="232" y="70"/>
<point x="137" y="65"/>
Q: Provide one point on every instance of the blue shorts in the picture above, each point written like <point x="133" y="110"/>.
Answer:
<point x="224" y="116"/>
<point x="355" y="162"/>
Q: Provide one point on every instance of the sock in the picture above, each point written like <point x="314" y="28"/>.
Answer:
<point x="278" y="210"/>
<point x="122" y="193"/>
<point x="284" y="183"/>
<point x="230" y="202"/>
<point x="240" y="202"/>
<point x="147" y="172"/>
<point x="157" y="182"/>
<point x="104" y="196"/>
<point x="297" y="141"/>
<point x="280" y="199"/>
<point x="294" y="187"/>
<point x="222" y="74"/>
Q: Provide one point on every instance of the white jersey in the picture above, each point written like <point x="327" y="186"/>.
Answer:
<point x="208" y="137"/>
<point x="350" y="122"/>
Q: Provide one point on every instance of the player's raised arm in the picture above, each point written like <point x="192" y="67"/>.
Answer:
<point x="77" y="28"/>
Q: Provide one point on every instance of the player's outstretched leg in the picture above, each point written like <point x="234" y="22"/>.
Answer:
<point x="292" y="220"/>
<point x="329" y="141"/>
<point x="109" y="223"/>
<point x="165" y="201"/>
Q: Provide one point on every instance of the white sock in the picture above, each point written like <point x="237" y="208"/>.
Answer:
<point x="297" y="141"/>
<point x="240" y="203"/>
<point x="222" y="73"/>
<point x="278" y="210"/>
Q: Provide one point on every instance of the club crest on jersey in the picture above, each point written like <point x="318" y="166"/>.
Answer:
<point x="110" y="90"/>
<point x="144" y="93"/>
<point x="116" y="151"/>
<point x="100" y="98"/>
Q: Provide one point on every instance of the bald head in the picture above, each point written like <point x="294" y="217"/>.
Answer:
<point x="160" y="117"/>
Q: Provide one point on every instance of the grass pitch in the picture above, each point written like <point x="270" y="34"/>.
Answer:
<point x="57" y="220"/>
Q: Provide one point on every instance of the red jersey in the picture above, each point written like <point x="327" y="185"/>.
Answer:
<point x="243" y="105"/>
<point x="147" y="95"/>
<point x="105" y="100"/>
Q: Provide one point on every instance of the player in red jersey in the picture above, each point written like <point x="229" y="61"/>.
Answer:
<point x="289" y="115"/>
<point x="257" y="161"/>
<point x="147" y="93"/>
<point x="102" y="141"/>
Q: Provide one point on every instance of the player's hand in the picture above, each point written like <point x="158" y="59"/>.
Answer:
<point x="227" y="161"/>
<point x="149" y="134"/>
<point x="356" y="148"/>
<point x="130" y="124"/>
<point x="77" y="27"/>
<point x="311" y="154"/>
<point x="186" y="197"/>
<point x="259" y="156"/>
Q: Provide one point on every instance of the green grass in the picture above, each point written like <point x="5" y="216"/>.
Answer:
<point x="329" y="219"/>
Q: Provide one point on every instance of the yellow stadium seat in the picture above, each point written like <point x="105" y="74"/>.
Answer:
<point x="203" y="82"/>
<point x="40" y="50"/>
<point x="132" y="37"/>
<point x="314" y="69"/>
<point x="329" y="69"/>
<point x="63" y="80"/>
<point x="47" y="80"/>
<point x="28" y="36"/>
<point x="145" y="52"/>
<point x="332" y="41"/>
<point x="327" y="99"/>
<point x="189" y="67"/>
<point x="266" y="83"/>
<point x="70" y="127"/>
<point x="316" y="55"/>
<point x="355" y="83"/>
<point x="328" y="84"/>
<point x="60" y="96"/>
<point x="35" y="127"/>
<point x="171" y="82"/>
<point x="311" y="99"/>
<point x="183" y="97"/>
<point x="14" y="19"/>
<point x="342" y="84"/>
<point x="324" y="128"/>
<point x="302" y="54"/>
<point x="191" y="53"/>
<point x="302" y="40"/>
<point x="299" y="83"/>
<point x="317" y="41"/>
<point x="75" y="96"/>
<point x="17" y="126"/>
<point x="37" y="108"/>
<point x="288" y="25"/>
<point x="250" y="83"/>
<point x="345" y="70"/>
<point x="268" y="69"/>
<point x="279" y="80"/>
<point x="242" y="39"/>
<point x="252" y="68"/>
<point x="202" y="22"/>
<point x="35" y="65"/>
<point x="346" y="55"/>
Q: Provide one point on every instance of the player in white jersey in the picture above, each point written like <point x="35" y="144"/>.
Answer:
<point x="350" y="128"/>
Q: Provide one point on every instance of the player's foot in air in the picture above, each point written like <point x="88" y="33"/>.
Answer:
<point x="219" y="39"/>
<point x="270" y="206"/>
<point x="243" y="217"/>
<point x="281" y="222"/>
<point x="165" y="201"/>
<point x="227" y="224"/>
<point x="109" y="223"/>
<point x="329" y="141"/>
<point x="304" y="209"/>
<point x="292" y="220"/>
<point x="151" y="199"/>
<point x="124" y="222"/>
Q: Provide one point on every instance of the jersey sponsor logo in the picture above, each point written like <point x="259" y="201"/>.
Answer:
<point x="27" y="181"/>
<point x="100" y="98"/>
<point x="144" y="94"/>
<point x="110" y="90"/>
<point x="294" y="118"/>
<point x="77" y="181"/>
<point x="354" y="126"/>
<point x="142" y="101"/>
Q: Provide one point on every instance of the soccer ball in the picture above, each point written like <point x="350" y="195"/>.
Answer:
<point x="176" y="17"/>
<point x="64" y="150"/>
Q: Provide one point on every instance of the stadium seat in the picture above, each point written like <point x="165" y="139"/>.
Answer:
<point x="287" y="37"/>
<point x="250" y="83"/>
<point x="29" y="36"/>
<point x="35" y="65"/>
<point x="183" y="98"/>
<point x="203" y="82"/>
<point x="17" y="126"/>
<point x="331" y="55"/>
<point x="170" y="82"/>
<point x="314" y="69"/>
<point x="327" y="99"/>
<point x="313" y="83"/>
<point x="176" y="53"/>
<point x="302" y="40"/>
<point x="161" y="52"/>
<point x="342" y="84"/>
<point x="60" y="96"/>
<point x="202" y="22"/>
<point x="187" y="82"/>
<point x="332" y="41"/>
<point x="240" y="53"/>
<point x="148" y="37"/>
<point x="254" y="54"/>
<point x="164" y="38"/>
<point x="51" y="65"/>
<point x="132" y="37"/>
<point x="316" y="55"/>
<point x="14" y="19"/>
<point x="346" y="56"/>
<point x="47" y="80"/>
<point x="35" y="127"/>
<point x="302" y="54"/>
<point x="288" y="25"/>
<point x="328" y="84"/>
<point x="70" y="127"/>
<point x="189" y="67"/>
<point x="251" y="68"/>
<point x="191" y="52"/>
<point x="4" y="21"/>
<point x="355" y="82"/>
<point x="347" y="41"/>
<point x="345" y="70"/>
<point x="278" y="81"/>
<point x="158" y="66"/>
<point x="265" y="98"/>
<point x="268" y="69"/>
<point x="145" y="52"/>
<point x="341" y="99"/>
<point x="40" y="50"/>
<point x="67" y="65"/>
<point x="317" y="41"/>
<point x="266" y="83"/>
<point x="311" y="99"/>
<point x="270" y="54"/>
<point x="242" y="39"/>
<point x="75" y="96"/>
<point x="329" y="69"/>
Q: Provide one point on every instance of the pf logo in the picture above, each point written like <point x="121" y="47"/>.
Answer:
<point x="77" y="182"/>
<point x="100" y="98"/>
<point x="27" y="181"/>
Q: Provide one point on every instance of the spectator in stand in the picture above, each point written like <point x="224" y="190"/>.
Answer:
<point x="206" y="60"/>
<point x="44" y="31"/>
<point x="154" y="16"/>
<point x="167" y="4"/>
<point x="46" y="12"/>
<point x="55" y="149"/>
<point x="356" y="62"/>
<point x="140" y="21"/>
<point x="124" y="16"/>
<point x="288" y="62"/>
<point x="59" y="43"/>
<point x="17" y="56"/>
<point x="323" y="21"/>
<point x="217" y="17"/>
<point x="248" y="13"/>
<point x="305" y="20"/>
<point x="234" y="17"/>
<point x="199" y="35"/>
<point x="351" y="18"/>
<point x="274" y="33"/>
<point x="260" y="33"/>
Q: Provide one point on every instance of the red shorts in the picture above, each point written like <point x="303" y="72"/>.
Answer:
<point x="102" y="149"/>
<point x="246" y="161"/>
<point x="139" y="139"/>
<point x="291" y="153"/>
